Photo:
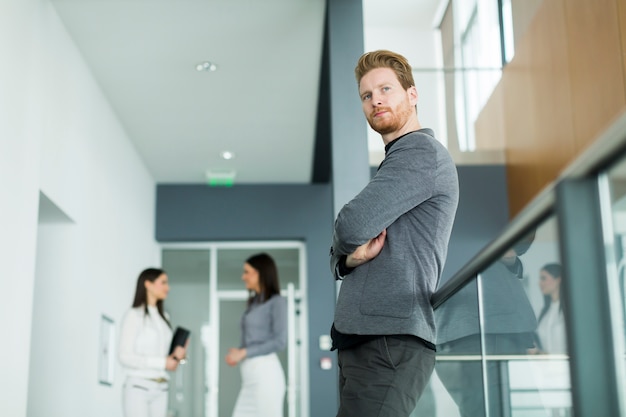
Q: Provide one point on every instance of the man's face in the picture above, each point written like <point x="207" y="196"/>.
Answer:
<point x="387" y="106"/>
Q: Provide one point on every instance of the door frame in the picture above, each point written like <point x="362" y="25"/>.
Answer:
<point x="297" y="382"/>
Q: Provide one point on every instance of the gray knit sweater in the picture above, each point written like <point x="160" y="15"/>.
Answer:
<point x="414" y="194"/>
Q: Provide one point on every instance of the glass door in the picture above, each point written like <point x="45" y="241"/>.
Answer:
<point x="208" y="296"/>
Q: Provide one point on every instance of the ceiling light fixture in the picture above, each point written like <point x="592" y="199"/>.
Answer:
<point x="227" y="155"/>
<point x="207" y="66"/>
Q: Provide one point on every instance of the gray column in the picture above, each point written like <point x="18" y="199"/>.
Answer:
<point x="586" y="299"/>
<point x="350" y="160"/>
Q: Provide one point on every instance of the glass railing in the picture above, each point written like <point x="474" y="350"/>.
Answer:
<point x="534" y="324"/>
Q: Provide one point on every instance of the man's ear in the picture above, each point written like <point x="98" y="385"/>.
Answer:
<point x="413" y="95"/>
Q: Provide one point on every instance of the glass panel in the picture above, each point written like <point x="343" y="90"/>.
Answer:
<point x="194" y="386"/>
<point x="501" y="348"/>
<point x="470" y="55"/>
<point x="464" y="9"/>
<point x="457" y="379"/>
<point x="188" y="305"/>
<point x="481" y="60"/>
<point x="507" y="29"/>
<point x="232" y="304"/>
<point x="617" y="186"/>
<point x="526" y="362"/>
<point x="229" y="377"/>
<point x="230" y="266"/>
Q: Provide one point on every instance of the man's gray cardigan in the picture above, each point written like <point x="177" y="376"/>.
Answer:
<point x="414" y="195"/>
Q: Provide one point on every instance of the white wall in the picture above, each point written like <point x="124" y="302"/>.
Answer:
<point x="59" y="136"/>
<point x="19" y="175"/>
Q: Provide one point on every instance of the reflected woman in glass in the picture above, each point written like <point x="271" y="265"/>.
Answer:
<point x="551" y="323"/>
<point x="508" y="323"/>
<point x="263" y="333"/>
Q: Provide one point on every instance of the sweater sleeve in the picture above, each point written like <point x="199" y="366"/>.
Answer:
<point x="131" y="327"/>
<point x="404" y="180"/>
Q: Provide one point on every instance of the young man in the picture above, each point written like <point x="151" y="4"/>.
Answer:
<point x="389" y="248"/>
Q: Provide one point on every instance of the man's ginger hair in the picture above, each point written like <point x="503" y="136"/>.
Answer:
<point x="385" y="59"/>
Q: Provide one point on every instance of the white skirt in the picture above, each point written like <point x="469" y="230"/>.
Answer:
<point x="262" y="388"/>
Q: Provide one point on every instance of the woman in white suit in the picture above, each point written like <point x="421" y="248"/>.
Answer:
<point x="145" y="340"/>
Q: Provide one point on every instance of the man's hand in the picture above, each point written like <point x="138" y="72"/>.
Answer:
<point x="367" y="251"/>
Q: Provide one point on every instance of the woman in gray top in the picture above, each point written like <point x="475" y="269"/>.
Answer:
<point x="263" y="333"/>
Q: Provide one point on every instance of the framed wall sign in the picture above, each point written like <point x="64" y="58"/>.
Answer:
<point x="106" y="364"/>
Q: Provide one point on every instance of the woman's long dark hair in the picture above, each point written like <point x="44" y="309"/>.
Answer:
<point x="141" y="294"/>
<point x="556" y="271"/>
<point x="268" y="276"/>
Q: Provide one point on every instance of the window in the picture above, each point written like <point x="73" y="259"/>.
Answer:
<point x="480" y="55"/>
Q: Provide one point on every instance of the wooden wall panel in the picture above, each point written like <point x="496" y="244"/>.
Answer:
<point x="538" y="120"/>
<point x="595" y="63"/>
<point x="520" y="128"/>
<point x="566" y="83"/>
<point x="621" y="19"/>
<point x="547" y="41"/>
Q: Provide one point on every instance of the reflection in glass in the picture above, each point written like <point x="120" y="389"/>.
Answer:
<point x="459" y="364"/>
<point x="522" y="378"/>
<point x="550" y="334"/>
<point x="493" y="358"/>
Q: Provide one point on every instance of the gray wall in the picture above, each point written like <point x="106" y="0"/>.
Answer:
<point x="482" y="214"/>
<point x="187" y="213"/>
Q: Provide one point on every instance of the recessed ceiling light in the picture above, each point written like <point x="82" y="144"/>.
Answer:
<point x="227" y="155"/>
<point x="207" y="66"/>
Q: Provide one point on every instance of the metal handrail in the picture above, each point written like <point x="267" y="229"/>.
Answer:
<point x="601" y="154"/>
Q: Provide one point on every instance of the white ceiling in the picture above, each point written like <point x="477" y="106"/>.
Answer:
<point x="261" y="102"/>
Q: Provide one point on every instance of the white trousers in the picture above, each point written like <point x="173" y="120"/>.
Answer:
<point x="144" y="398"/>
<point x="262" y="388"/>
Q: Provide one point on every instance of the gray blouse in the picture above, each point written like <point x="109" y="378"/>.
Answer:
<point x="264" y="327"/>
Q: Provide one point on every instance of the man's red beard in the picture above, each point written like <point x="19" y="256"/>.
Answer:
<point x="385" y="124"/>
<point x="392" y="120"/>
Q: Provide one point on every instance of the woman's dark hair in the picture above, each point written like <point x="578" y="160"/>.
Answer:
<point x="141" y="294"/>
<point x="268" y="276"/>
<point x="554" y="270"/>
